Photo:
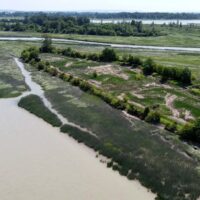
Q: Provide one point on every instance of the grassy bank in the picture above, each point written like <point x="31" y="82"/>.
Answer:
<point x="11" y="80"/>
<point x="34" y="104"/>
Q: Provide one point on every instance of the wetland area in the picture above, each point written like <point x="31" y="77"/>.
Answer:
<point x="75" y="124"/>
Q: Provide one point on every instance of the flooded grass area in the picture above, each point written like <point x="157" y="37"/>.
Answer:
<point x="135" y="140"/>
<point x="11" y="80"/>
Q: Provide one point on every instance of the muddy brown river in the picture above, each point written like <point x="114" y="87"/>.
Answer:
<point x="40" y="163"/>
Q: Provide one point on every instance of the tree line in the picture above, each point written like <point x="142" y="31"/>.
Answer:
<point x="109" y="15"/>
<point x="76" y="25"/>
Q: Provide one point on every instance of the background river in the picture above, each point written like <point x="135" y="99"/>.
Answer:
<point x="150" y="21"/>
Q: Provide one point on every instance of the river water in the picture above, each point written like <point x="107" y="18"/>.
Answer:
<point x="39" y="163"/>
<point x="123" y="46"/>
<point x="150" y="21"/>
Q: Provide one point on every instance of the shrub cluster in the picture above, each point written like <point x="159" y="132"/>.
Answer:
<point x="182" y="75"/>
<point x="77" y="25"/>
<point x="191" y="131"/>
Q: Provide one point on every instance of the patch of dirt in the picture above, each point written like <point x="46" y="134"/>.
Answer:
<point x="137" y="104"/>
<point x="188" y="116"/>
<point x="68" y="64"/>
<point x="96" y="83"/>
<point x="109" y="69"/>
<point x="139" y="96"/>
<point x="157" y="85"/>
<point x="121" y="96"/>
<point x="169" y="99"/>
<point x="137" y="70"/>
<point x="51" y="58"/>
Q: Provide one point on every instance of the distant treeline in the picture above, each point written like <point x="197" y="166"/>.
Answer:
<point x="110" y="15"/>
<point x="77" y="25"/>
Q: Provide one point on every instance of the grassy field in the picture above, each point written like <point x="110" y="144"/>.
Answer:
<point x="124" y="81"/>
<point x="34" y="104"/>
<point x="11" y="80"/>
<point x="172" y="37"/>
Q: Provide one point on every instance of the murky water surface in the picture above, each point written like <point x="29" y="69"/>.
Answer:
<point x="37" y="162"/>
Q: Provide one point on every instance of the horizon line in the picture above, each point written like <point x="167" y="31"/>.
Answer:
<point x="100" y="11"/>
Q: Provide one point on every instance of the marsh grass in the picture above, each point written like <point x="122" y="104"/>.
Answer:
<point x="34" y="104"/>
<point x="135" y="146"/>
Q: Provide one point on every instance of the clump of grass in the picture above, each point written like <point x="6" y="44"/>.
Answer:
<point x="81" y="136"/>
<point x="34" y="104"/>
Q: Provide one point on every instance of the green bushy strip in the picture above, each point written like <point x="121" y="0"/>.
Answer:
<point x="34" y="104"/>
<point x="153" y="117"/>
<point x="81" y="136"/>
<point x="191" y="131"/>
<point x="150" y="117"/>
<point x="183" y="76"/>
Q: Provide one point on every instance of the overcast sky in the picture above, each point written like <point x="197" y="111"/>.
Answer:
<point x="102" y="5"/>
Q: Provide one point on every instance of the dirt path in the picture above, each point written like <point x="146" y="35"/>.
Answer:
<point x="169" y="99"/>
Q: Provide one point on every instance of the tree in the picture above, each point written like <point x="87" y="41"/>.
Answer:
<point x="108" y="55"/>
<point x="186" y="76"/>
<point x="148" y="66"/>
<point x="46" y="45"/>
<point x="153" y="117"/>
<point x="191" y="131"/>
<point x="30" y="54"/>
<point x="134" y="61"/>
<point x="139" y="26"/>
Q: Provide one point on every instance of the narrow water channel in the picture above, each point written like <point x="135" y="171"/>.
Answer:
<point x="39" y="163"/>
<point x="36" y="89"/>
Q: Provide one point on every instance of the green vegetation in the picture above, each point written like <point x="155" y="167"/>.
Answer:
<point x="11" y="80"/>
<point x="103" y="15"/>
<point x="148" y="67"/>
<point x="34" y="104"/>
<point x="191" y="131"/>
<point x="73" y="25"/>
<point x="108" y="55"/>
<point x="130" y="144"/>
<point x="137" y="149"/>
<point x="47" y="45"/>
<point x="184" y="76"/>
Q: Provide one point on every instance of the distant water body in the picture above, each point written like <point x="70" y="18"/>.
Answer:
<point x="184" y="22"/>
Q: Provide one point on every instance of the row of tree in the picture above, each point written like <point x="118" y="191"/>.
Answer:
<point x="182" y="75"/>
<point x="109" y="15"/>
<point x="191" y="131"/>
<point x="77" y="25"/>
